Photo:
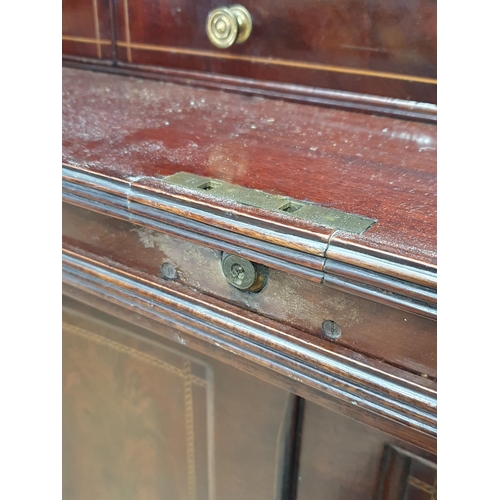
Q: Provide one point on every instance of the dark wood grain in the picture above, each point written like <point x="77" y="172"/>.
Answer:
<point x="122" y="312"/>
<point x="122" y="135"/>
<point x="84" y="50"/>
<point x="406" y="475"/>
<point x="389" y="46"/>
<point x="378" y="167"/>
<point x="119" y="380"/>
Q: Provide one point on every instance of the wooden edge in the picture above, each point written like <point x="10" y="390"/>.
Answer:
<point x="390" y="283"/>
<point x="350" y="101"/>
<point x="323" y="346"/>
<point x="392" y="299"/>
<point x="260" y="224"/>
<point x="359" y="256"/>
<point x="265" y="225"/>
<point x="260" y="253"/>
<point x="114" y="199"/>
<point x="122" y="313"/>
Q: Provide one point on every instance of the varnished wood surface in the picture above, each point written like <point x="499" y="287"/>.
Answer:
<point x="282" y="245"/>
<point x="124" y="128"/>
<point x="103" y="196"/>
<point x="407" y="475"/>
<point x="382" y="48"/>
<point x="290" y="92"/>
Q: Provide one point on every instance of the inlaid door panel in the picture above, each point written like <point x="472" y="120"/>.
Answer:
<point x="147" y="419"/>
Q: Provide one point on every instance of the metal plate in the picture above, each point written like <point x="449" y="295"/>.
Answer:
<point x="310" y="212"/>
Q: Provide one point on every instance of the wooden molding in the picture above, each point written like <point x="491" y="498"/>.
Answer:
<point x="360" y="387"/>
<point x="149" y="203"/>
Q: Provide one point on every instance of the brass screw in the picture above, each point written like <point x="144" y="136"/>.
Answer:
<point x="168" y="270"/>
<point x="331" y="330"/>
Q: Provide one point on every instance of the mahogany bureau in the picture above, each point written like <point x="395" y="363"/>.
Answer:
<point x="249" y="250"/>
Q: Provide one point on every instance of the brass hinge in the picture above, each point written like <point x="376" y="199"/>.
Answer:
<point x="310" y="212"/>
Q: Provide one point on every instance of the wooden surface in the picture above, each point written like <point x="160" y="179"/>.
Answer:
<point x="407" y="476"/>
<point x="185" y="387"/>
<point x="262" y="236"/>
<point x="124" y="129"/>
<point x="386" y="48"/>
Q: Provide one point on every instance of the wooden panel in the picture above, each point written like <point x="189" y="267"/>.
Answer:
<point x="344" y="459"/>
<point x="87" y="28"/>
<point x="378" y="167"/>
<point x="379" y="331"/>
<point x="385" y="48"/>
<point x="144" y="420"/>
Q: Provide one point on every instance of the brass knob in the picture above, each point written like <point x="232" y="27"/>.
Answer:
<point x="228" y="25"/>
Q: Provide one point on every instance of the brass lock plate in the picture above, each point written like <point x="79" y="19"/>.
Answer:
<point x="310" y="212"/>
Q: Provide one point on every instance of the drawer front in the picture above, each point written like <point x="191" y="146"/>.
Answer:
<point x="373" y="329"/>
<point x="86" y="26"/>
<point x="386" y="47"/>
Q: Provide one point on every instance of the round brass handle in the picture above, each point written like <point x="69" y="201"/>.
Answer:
<point x="228" y="25"/>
